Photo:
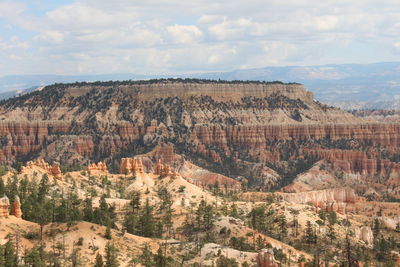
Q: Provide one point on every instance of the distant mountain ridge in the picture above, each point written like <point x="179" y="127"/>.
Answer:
<point x="349" y="86"/>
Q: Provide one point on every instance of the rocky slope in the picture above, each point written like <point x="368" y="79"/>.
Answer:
<point x="266" y="132"/>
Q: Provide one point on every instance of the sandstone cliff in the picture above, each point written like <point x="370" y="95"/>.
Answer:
<point x="239" y="129"/>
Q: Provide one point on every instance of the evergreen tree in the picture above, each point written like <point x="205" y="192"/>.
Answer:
<point x="205" y="217"/>
<point x="160" y="260"/>
<point x="331" y="234"/>
<point x="309" y="235"/>
<point x="10" y="256"/>
<point x="99" y="261"/>
<point x="43" y="188"/>
<point x="33" y="258"/>
<point x="282" y="223"/>
<point x="146" y="221"/>
<point x="2" y="187"/>
<point x="135" y="202"/>
<point x="111" y="256"/>
<point x="107" y="234"/>
<point x="226" y="262"/>
<point x="42" y="216"/>
<point x="88" y="210"/>
<point x="146" y="258"/>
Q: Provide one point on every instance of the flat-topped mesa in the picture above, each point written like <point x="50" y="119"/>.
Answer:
<point x="221" y="91"/>
<point x="97" y="169"/>
<point x="131" y="166"/>
<point x="53" y="170"/>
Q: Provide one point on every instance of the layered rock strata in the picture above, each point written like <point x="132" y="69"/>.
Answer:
<point x="16" y="207"/>
<point x="131" y="166"/>
<point x="237" y="128"/>
<point x="340" y="195"/>
<point x="53" y="170"/>
<point x="4" y="207"/>
<point x="265" y="258"/>
<point x="96" y="169"/>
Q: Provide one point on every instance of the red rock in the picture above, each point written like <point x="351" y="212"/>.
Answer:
<point x="4" y="207"/>
<point x="131" y="166"/>
<point x="16" y="208"/>
<point x="265" y="258"/>
<point x="96" y="169"/>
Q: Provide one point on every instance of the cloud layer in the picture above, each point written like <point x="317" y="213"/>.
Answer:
<point x="174" y="36"/>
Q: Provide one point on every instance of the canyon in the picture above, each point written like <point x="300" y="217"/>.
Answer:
<point x="265" y="133"/>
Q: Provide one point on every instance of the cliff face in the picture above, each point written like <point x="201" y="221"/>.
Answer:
<point x="238" y="129"/>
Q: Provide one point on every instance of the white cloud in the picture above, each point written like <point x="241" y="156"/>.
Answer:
<point x="51" y="37"/>
<point x="102" y="36"/>
<point x="184" y="34"/>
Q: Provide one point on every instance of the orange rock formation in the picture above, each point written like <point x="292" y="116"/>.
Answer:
<point x="353" y="161"/>
<point x="164" y="170"/>
<point x="53" y="170"/>
<point x="4" y="206"/>
<point x="16" y="208"/>
<point x="131" y="166"/>
<point x="99" y="168"/>
<point x="265" y="258"/>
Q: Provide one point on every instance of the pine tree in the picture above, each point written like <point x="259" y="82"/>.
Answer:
<point x="282" y="223"/>
<point x="33" y="258"/>
<point x="309" y="236"/>
<point x="42" y="216"/>
<point x="10" y="256"/>
<point x="88" y="210"/>
<point x="135" y="202"/>
<point x="107" y="234"/>
<point x="111" y="256"/>
<point x="99" y="261"/>
<point x="331" y="234"/>
<point x="2" y="187"/>
<point x="146" y="258"/>
<point x="43" y="188"/>
<point x="226" y="262"/>
<point x="159" y="259"/>
<point x="146" y="221"/>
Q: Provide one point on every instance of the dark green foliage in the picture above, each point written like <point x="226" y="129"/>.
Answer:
<point x="147" y="257"/>
<point x="240" y="243"/>
<point x="8" y="256"/>
<point x="105" y="214"/>
<point x="107" y="234"/>
<point x="331" y="234"/>
<point x="205" y="217"/>
<point x="160" y="260"/>
<point x="99" y="261"/>
<point x="34" y="257"/>
<point x="111" y="258"/>
<point x="309" y="234"/>
<point x="226" y="262"/>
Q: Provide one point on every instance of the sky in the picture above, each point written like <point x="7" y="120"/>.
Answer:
<point x="190" y="36"/>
